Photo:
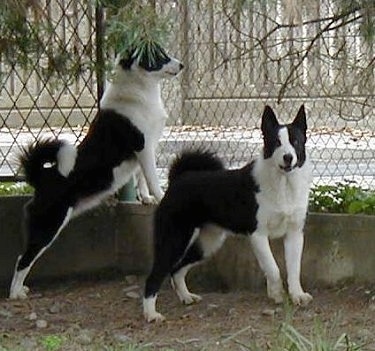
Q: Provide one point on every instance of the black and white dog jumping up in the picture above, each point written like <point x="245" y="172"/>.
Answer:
<point x="266" y="199"/>
<point x="121" y="143"/>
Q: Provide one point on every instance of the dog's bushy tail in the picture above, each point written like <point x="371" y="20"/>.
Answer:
<point x="196" y="161"/>
<point x="37" y="157"/>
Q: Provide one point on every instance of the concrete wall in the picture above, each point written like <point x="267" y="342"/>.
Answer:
<point x="337" y="247"/>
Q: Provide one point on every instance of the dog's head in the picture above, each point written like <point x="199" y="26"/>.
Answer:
<point x="284" y="144"/>
<point x="151" y="62"/>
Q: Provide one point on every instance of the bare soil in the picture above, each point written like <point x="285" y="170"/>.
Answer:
<point x="102" y="315"/>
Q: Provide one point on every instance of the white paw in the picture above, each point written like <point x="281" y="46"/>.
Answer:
<point x="301" y="299"/>
<point x="19" y="294"/>
<point x="154" y="317"/>
<point x="275" y="291"/>
<point x="148" y="200"/>
<point x="190" y="299"/>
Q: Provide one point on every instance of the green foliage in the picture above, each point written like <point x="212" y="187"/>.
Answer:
<point x="12" y="188"/>
<point x="321" y="338"/>
<point x="366" y="8"/>
<point x="135" y="25"/>
<point x="31" y="40"/>
<point x="344" y="197"/>
<point x="21" y="28"/>
<point x="52" y="342"/>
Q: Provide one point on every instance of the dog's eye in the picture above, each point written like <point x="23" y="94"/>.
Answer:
<point x="278" y="142"/>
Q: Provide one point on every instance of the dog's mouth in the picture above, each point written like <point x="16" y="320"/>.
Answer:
<point x="288" y="168"/>
<point x="171" y="73"/>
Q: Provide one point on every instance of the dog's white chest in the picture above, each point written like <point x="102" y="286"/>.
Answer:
<point x="280" y="210"/>
<point x="278" y="223"/>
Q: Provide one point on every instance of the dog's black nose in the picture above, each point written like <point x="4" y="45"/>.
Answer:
<point x="288" y="158"/>
<point x="181" y="66"/>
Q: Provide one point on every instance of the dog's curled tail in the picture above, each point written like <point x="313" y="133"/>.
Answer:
<point x="194" y="161"/>
<point x="36" y="157"/>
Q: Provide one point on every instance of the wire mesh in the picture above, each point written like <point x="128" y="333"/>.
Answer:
<point x="237" y="59"/>
<point x="57" y="95"/>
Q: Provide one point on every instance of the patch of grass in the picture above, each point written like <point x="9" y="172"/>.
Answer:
<point x="321" y="338"/>
<point x="52" y="342"/>
<point x="343" y="197"/>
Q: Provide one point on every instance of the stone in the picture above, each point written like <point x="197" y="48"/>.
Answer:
<point x="121" y="338"/>
<point x="5" y="313"/>
<point x="32" y="316"/>
<point x="84" y="338"/>
<point x="131" y="279"/>
<point x="130" y="288"/>
<point x="55" y="308"/>
<point x="133" y="295"/>
<point x="268" y="312"/>
<point x="41" y="324"/>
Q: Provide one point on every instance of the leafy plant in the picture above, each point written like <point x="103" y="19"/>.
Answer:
<point x="133" y="24"/>
<point x="31" y="40"/>
<point x="15" y="188"/>
<point x="343" y="197"/>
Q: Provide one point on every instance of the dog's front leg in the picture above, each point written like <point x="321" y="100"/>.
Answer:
<point x="293" y="246"/>
<point x="267" y="262"/>
<point x="148" y="164"/>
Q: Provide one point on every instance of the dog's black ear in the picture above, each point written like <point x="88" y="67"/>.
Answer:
<point x="269" y="120"/>
<point x="127" y="58"/>
<point x="300" y="120"/>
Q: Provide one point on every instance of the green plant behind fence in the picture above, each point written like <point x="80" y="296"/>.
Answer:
<point x="342" y="198"/>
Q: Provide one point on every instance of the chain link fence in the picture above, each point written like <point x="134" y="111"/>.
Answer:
<point x="237" y="59"/>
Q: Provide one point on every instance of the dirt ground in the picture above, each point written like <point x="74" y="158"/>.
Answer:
<point x="105" y="314"/>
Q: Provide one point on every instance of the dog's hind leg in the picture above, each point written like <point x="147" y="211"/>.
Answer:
<point x="143" y="193"/>
<point x="209" y="239"/>
<point x="148" y="163"/>
<point x="171" y="243"/>
<point x="42" y="230"/>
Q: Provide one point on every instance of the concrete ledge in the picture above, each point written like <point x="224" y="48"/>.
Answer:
<point x="337" y="247"/>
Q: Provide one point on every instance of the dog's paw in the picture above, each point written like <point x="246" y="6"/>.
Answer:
<point x="154" y="317"/>
<point x="148" y="200"/>
<point x="19" y="294"/>
<point x="190" y="299"/>
<point x="275" y="291"/>
<point x="301" y="299"/>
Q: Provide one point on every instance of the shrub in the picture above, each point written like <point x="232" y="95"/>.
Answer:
<point x="343" y="197"/>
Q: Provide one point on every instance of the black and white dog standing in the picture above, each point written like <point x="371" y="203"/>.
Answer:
<point x="121" y="142"/>
<point x="266" y="199"/>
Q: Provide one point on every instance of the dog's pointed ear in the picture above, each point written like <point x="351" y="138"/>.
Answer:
<point x="300" y="120"/>
<point x="269" y="120"/>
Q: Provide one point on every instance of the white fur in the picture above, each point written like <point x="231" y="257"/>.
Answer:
<point x="136" y="94"/>
<point x="149" y="310"/>
<point x="283" y="201"/>
<point x="66" y="159"/>
<point x="17" y="289"/>
<point x="284" y="149"/>
<point x="211" y="239"/>
<point x="179" y="285"/>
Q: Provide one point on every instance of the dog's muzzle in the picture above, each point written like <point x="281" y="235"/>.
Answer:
<point x="287" y="166"/>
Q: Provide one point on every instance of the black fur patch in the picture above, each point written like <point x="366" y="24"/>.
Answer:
<point x="152" y="58"/>
<point x="111" y="139"/>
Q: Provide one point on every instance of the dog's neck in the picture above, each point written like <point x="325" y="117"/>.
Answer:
<point x="130" y="91"/>
<point x="273" y="180"/>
